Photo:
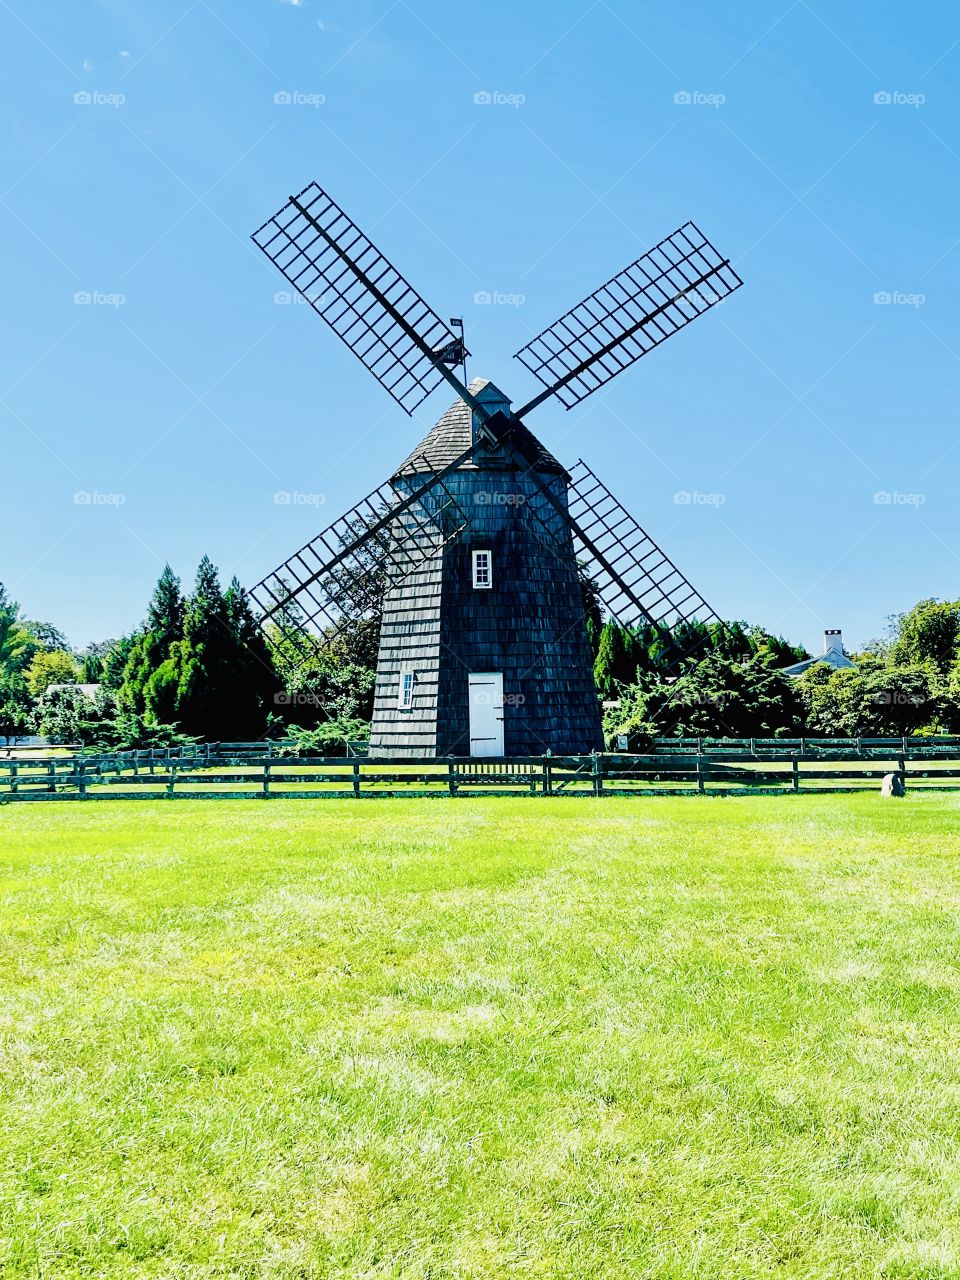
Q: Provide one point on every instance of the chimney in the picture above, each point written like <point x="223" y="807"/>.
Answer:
<point x="833" y="639"/>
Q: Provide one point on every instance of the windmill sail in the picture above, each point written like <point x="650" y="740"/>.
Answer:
<point x="676" y="281"/>
<point x="338" y="579"/>
<point x="361" y="296"/>
<point x="638" y="582"/>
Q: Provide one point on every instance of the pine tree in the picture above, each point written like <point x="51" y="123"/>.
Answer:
<point x="218" y="678"/>
<point x="151" y="648"/>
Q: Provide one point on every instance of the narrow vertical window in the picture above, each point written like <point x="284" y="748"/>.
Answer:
<point x="482" y="569"/>
<point x="405" y="694"/>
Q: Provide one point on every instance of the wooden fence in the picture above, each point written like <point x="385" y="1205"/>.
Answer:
<point x="260" y="771"/>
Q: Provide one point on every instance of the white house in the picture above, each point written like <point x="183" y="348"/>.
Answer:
<point x="832" y="655"/>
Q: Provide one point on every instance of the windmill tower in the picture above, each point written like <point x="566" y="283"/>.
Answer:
<point x="471" y="555"/>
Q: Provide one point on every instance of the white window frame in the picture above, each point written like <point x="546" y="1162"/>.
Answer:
<point x="408" y="678"/>
<point x="478" y="570"/>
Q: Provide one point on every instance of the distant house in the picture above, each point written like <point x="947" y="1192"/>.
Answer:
<point x="88" y="690"/>
<point x="832" y="655"/>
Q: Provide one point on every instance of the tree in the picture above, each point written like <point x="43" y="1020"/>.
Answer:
<point x="115" y="661"/>
<point x="151" y="647"/>
<point x="48" y="667"/>
<point x="619" y="654"/>
<point x="927" y="635"/>
<point x="873" y="699"/>
<point x="17" y="645"/>
<point x="218" y="679"/>
<point x="91" y="659"/>
<point x="69" y="716"/>
<point x="15" y="705"/>
<point x="714" y="697"/>
<point x="48" y="636"/>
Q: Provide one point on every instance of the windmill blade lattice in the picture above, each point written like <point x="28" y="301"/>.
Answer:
<point x="638" y="583"/>
<point x="361" y="296"/>
<point x="676" y="281"/>
<point x="339" y="578"/>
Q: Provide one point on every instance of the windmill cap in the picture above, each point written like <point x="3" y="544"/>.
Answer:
<point x="452" y="435"/>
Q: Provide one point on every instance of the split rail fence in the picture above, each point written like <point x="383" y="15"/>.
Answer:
<point x="677" y="767"/>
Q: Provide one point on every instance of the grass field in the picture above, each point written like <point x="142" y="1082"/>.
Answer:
<point x="557" y="1038"/>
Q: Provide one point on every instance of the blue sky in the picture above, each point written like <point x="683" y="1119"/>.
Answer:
<point x="813" y="417"/>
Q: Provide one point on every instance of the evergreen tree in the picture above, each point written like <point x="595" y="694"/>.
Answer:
<point x="151" y="648"/>
<point x="217" y="681"/>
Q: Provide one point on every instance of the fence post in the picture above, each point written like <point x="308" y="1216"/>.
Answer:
<point x="266" y="777"/>
<point x="13" y="778"/>
<point x="355" y="767"/>
<point x="597" y="774"/>
<point x="902" y="769"/>
<point x="82" y="780"/>
<point x="52" y="782"/>
<point x="452" y="777"/>
<point x="172" y="770"/>
<point x="796" y="774"/>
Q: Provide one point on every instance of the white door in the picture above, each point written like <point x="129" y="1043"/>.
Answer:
<point x="486" y="713"/>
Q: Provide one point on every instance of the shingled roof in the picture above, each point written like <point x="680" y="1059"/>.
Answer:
<point x="452" y="434"/>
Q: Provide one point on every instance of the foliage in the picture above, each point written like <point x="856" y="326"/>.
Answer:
<point x="70" y="716"/>
<point x="927" y="635"/>
<point x="150" y="648"/>
<point x="91" y="659"/>
<point x="50" y="666"/>
<point x="328" y="739"/>
<point x="715" y="697"/>
<point x="47" y="636"/>
<point x="217" y="680"/>
<point x="115" y="662"/>
<point x="873" y="699"/>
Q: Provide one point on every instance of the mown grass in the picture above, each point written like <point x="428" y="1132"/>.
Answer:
<point x="556" y="1038"/>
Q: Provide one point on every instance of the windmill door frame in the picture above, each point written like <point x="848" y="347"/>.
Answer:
<point x="486" y="713"/>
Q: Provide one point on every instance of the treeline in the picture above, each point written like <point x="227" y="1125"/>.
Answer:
<point x="199" y="667"/>
<point x="905" y="683"/>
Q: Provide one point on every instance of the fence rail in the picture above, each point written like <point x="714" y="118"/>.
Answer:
<point x="259" y="771"/>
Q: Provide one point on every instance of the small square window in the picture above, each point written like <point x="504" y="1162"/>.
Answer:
<point x="483" y="569"/>
<point x="405" y="693"/>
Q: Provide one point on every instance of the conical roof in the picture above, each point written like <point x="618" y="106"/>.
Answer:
<point x="452" y="434"/>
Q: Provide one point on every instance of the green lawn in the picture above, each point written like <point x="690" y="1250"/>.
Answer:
<point x="492" y="1038"/>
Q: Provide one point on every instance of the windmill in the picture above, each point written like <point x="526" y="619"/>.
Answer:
<point x="471" y="553"/>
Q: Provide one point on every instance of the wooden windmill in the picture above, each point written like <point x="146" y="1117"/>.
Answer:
<point x="472" y="553"/>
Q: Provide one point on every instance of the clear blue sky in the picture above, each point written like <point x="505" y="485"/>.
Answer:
<point x="199" y="397"/>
